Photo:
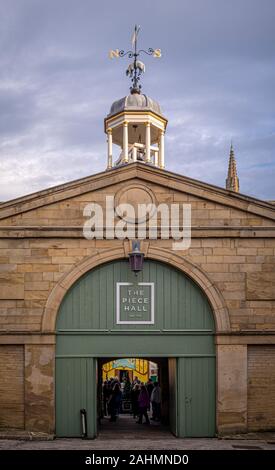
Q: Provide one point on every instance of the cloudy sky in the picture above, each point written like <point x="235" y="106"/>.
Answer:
<point x="215" y="82"/>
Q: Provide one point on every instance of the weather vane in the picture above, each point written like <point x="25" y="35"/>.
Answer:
<point x="136" y="68"/>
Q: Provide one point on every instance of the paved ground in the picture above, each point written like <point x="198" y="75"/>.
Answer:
<point x="127" y="435"/>
<point x="137" y="444"/>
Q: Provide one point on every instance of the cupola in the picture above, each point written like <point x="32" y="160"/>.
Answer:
<point x="135" y="123"/>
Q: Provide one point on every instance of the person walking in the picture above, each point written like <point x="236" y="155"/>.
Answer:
<point x="156" y="402"/>
<point x="134" y="399"/>
<point x="149" y="387"/>
<point x="143" y="403"/>
<point x="114" y="401"/>
<point x="106" y="395"/>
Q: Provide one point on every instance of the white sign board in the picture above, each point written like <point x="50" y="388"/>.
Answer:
<point x="135" y="303"/>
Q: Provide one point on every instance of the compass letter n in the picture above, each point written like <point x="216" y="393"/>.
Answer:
<point x="113" y="53"/>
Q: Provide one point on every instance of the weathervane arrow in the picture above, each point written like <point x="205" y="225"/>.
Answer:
<point x="134" y="36"/>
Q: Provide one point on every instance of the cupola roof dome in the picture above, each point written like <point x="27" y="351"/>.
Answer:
<point x="135" y="102"/>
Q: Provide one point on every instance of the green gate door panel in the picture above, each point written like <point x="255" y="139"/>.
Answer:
<point x="172" y="372"/>
<point x="196" y="397"/>
<point x="75" y="389"/>
<point x="91" y="301"/>
<point x="123" y="345"/>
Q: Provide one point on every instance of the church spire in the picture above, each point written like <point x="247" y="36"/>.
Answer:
<point x="232" y="180"/>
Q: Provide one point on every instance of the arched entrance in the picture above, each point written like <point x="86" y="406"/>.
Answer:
<point x="161" y="313"/>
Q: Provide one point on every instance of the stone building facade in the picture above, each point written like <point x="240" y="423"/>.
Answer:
<point x="231" y="258"/>
<point x="212" y="304"/>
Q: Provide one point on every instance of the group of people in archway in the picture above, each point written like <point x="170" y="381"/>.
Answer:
<point x="144" y="398"/>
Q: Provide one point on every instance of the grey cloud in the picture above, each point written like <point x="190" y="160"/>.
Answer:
<point x="215" y="82"/>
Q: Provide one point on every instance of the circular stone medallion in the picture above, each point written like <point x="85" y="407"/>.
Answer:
<point x="134" y="195"/>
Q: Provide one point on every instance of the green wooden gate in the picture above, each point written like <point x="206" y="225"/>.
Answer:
<point x="75" y="390"/>
<point x="196" y="396"/>
<point x="175" y="321"/>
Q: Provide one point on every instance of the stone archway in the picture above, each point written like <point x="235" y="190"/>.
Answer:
<point x="215" y="298"/>
<point x="166" y="315"/>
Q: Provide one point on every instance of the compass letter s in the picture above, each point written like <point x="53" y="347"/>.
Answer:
<point x="157" y="53"/>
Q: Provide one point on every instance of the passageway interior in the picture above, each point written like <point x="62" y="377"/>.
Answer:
<point x="127" y="376"/>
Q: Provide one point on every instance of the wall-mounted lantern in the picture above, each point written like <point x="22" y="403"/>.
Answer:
<point x="136" y="257"/>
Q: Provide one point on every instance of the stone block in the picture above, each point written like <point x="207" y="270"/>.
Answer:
<point x="232" y="388"/>
<point x="39" y="252"/>
<point x="248" y="268"/>
<point x="63" y="268"/>
<point x="234" y="259"/>
<point x="211" y="242"/>
<point x="49" y="276"/>
<point x="38" y="259"/>
<point x="265" y="251"/>
<point x="223" y="251"/>
<point x="234" y="295"/>
<point x="197" y="259"/>
<point x="215" y="267"/>
<point x="29" y="277"/>
<point x="195" y="243"/>
<point x="24" y="268"/>
<point x="214" y="259"/>
<point x="196" y="251"/>
<point x="249" y="242"/>
<point x="268" y="267"/>
<point x="253" y="222"/>
<point x="39" y="388"/>
<point x="247" y="251"/>
<point x="57" y="251"/>
<point x="65" y="259"/>
<point x="35" y="286"/>
<point x="44" y="268"/>
<point x="260" y="285"/>
<point x="4" y="268"/>
<point x="57" y="276"/>
<point x="270" y="243"/>
<point x="11" y="286"/>
<point x="36" y="295"/>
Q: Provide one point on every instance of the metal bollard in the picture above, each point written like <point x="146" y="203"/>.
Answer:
<point x="83" y="415"/>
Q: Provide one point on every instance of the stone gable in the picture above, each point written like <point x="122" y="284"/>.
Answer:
<point x="63" y="205"/>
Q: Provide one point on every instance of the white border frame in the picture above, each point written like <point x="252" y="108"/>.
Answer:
<point x="144" y="322"/>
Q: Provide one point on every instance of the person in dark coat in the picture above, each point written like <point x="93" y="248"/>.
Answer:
<point x="134" y="399"/>
<point x="115" y="401"/>
<point x="143" y="403"/>
<point x="106" y="395"/>
<point x="149" y="387"/>
<point x="156" y="402"/>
